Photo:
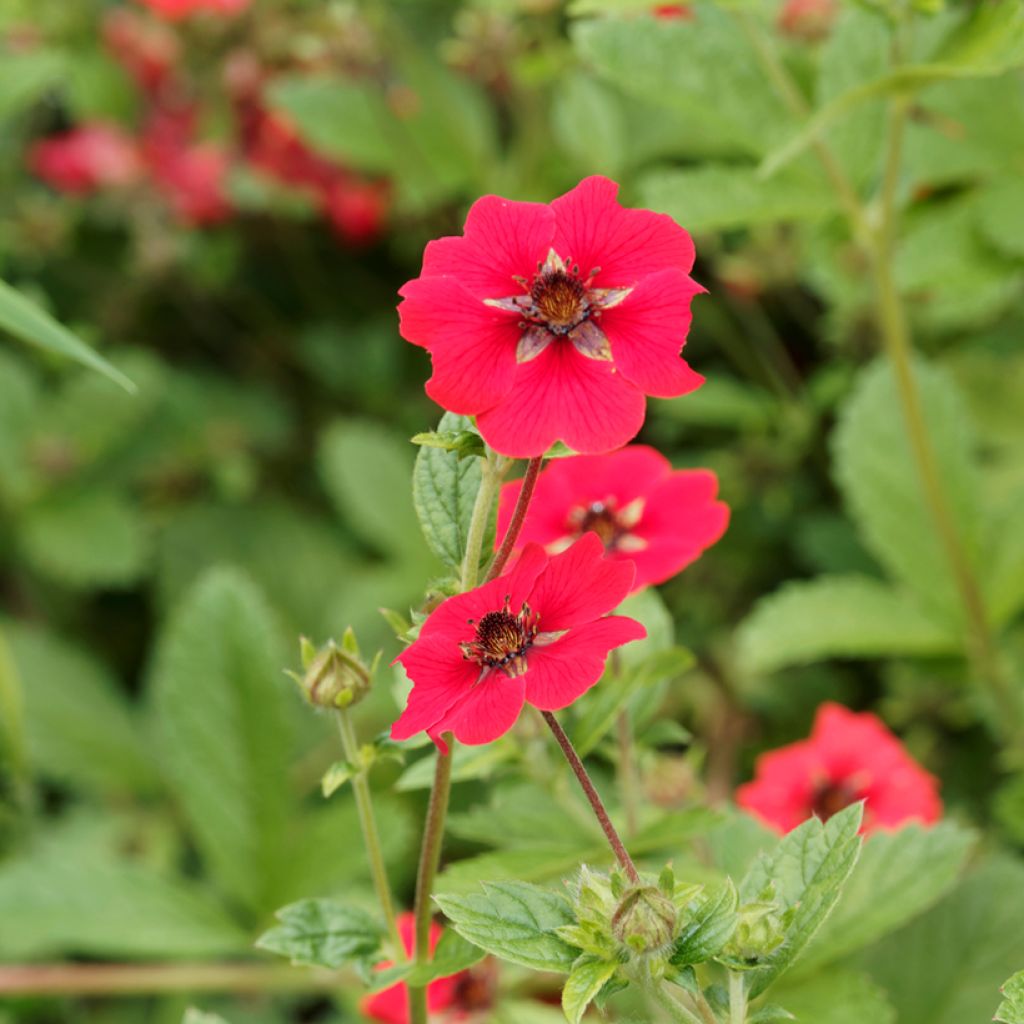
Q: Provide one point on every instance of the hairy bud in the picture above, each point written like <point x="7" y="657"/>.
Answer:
<point x="760" y="931"/>
<point x="645" y="919"/>
<point x="335" y="675"/>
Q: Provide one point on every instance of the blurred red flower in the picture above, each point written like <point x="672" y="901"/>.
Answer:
<point x="539" y="634"/>
<point x="553" y="321"/>
<point x="174" y="10"/>
<point x="90" y="157"/>
<point x="809" y="20"/>
<point x="391" y="1005"/>
<point x="644" y="511"/>
<point x="148" y="50"/>
<point x="849" y="756"/>
<point x="680" y="12"/>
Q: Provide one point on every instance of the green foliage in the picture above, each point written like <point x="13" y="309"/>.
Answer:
<point x="223" y="722"/>
<point x="586" y="979"/>
<point x="839" y="997"/>
<point x="514" y="921"/>
<point x="322" y="933"/>
<point x="1011" y="1009"/>
<point x="709" y="927"/>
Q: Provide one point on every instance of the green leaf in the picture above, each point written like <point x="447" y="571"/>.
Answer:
<point x="947" y="965"/>
<point x="585" y="981"/>
<point x="708" y="927"/>
<point x="367" y="474"/>
<point x="589" y="124"/>
<point x="838" y="616"/>
<point x="514" y="921"/>
<point x="30" y="324"/>
<point x="25" y="78"/>
<point x="467" y="763"/>
<point x="707" y="70"/>
<point x="898" y="876"/>
<point x="878" y="476"/>
<point x="336" y="776"/>
<point x="1000" y="212"/>
<point x="807" y="871"/>
<point x="1011" y="1009"/>
<point x="452" y="955"/>
<point x="444" y="490"/>
<point x="194" y="1016"/>
<point x="837" y="997"/>
<point x="717" y="197"/>
<point x="74" y="892"/>
<point x="223" y="717"/>
<point x="79" y="729"/>
<point x="322" y="933"/>
<point x="86" y="539"/>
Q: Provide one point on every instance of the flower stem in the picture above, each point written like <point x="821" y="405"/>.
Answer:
<point x="490" y="479"/>
<point x="430" y="855"/>
<point x="371" y="836"/>
<point x="518" y="516"/>
<point x="627" y="770"/>
<point x="656" y="992"/>
<point x="621" y="854"/>
<point x="737" y="998"/>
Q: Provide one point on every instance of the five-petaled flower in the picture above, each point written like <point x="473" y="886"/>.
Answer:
<point x="849" y="756"/>
<point x="391" y="1005"/>
<point x="90" y="157"/>
<point x="539" y="635"/>
<point x="659" y="518"/>
<point x="553" y="321"/>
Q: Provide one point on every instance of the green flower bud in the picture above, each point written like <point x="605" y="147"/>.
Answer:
<point x="760" y="931"/>
<point x="335" y="676"/>
<point x="645" y="920"/>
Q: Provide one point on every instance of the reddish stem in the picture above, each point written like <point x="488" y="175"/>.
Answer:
<point x="620" y="851"/>
<point x="515" y="525"/>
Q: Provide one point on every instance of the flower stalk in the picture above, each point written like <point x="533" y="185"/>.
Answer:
<point x="515" y="525"/>
<point x="737" y="998"/>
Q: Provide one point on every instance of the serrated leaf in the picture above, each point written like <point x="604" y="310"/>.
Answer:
<point x="838" y="616"/>
<point x="514" y="921"/>
<point x="79" y="729"/>
<point x="898" y="876"/>
<point x="1011" y="1009"/>
<point x="224" y="731"/>
<point x="878" y="476"/>
<point x="708" y="927"/>
<point x="322" y="933"/>
<point x="452" y="955"/>
<point x="27" y="322"/>
<point x="444" y="492"/>
<point x="807" y="870"/>
<point x="586" y="979"/>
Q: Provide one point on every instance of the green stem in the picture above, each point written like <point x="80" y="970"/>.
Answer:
<point x="628" y="788"/>
<point x="371" y="836"/>
<point x="490" y="480"/>
<point x="430" y="855"/>
<point x="737" y="998"/>
<point x="657" y="993"/>
<point x="12" y="722"/>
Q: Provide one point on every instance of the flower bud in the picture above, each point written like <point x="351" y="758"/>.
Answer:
<point x="335" y="676"/>
<point x="645" y="919"/>
<point x="760" y="931"/>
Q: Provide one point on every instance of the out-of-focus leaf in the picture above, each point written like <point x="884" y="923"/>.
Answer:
<point x="67" y="894"/>
<point x="194" y="1016"/>
<point x="79" y="729"/>
<point x="224" y="730"/>
<point x="322" y="933"/>
<point x="25" y="77"/>
<point x="27" y="322"/>
<point x="86" y="539"/>
<point x="947" y="965"/>
<point x="514" y="921"/>
<point x="588" y="123"/>
<point x="715" y="197"/>
<point x="444" y="491"/>
<point x="1000" y="212"/>
<point x="838" y="616"/>
<point x="878" y="476"/>
<point x="367" y="474"/>
<point x="467" y="763"/>
<point x="807" y="872"/>
<point x="838" y="997"/>
<point x="898" y="876"/>
<point x="453" y="954"/>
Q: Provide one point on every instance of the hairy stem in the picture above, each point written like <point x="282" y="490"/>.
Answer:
<point x="490" y="480"/>
<point x="518" y="517"/>
<point x="658" y="994"/>
<point x="621" y="854"/>
<point x="371" y="836"/>
<point x="144" y="979"/>
<point x="737" y="998"/>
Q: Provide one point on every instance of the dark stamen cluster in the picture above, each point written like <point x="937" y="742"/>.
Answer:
<point x="502" y="639"/>
<point x="559" y="299"/>
<point x="601" y="519"/>
<point x="830" y="798"/>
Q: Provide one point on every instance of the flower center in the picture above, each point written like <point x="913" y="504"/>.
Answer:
<point x="831" y="797"/>
<point x="600" y="519"/>
<point x="611" y="523"/>
<point x="559" y="299"/>
<point x="502" y="640"/>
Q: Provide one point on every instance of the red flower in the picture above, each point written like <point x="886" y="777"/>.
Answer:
<point x="675" y="12"/>
<point x="175" y="10"/>
<point x="644" y="511"/>
<point x="809" y="20"/>
<point x="356" y="209"/>
<point x="551" y="322"/>
<point x="87" y="158"/>
<point x="848" y="757"/>
<point x="148" y="50"/>
<point x="539" y="635"/>
<point x="391" y="1005"/>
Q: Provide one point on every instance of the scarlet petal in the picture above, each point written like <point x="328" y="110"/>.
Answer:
<point x="487" y="712"/>
<point x="562" y="395"/>
<point x="593" y="230"/>
<point x="579" y="585"/>
<point x="472" y="346"/>
<point x="440" y="675"/>
<point x="648" y="330"/>
<point x="502" y="240"/>
<point x="565" y="670"/>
